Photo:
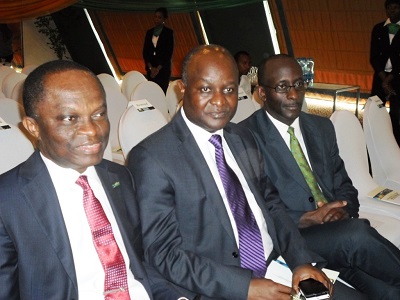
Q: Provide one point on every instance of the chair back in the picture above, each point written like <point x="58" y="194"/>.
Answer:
<point x="10" y="81"/>
<point x="28" y="69"/>
<point x="4" y="71"/>
<point x="245" y="107"/>
<point x="15" y="147"/>
<point x="153" y="93"/>
<point x="12" y="111"/>
<point x="384" y="152"/>
<point x="130" y="81"/>
<point x="173" y="97"/>
<point x="108" y="80"/>
<point x="138" y="121"/>
<point x="353" y="150"/>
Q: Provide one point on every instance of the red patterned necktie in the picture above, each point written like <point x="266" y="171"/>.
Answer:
<point x="250" y="241"/>
<point x="116" y="282"/>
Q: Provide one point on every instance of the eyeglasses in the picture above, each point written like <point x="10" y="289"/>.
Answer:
<point x="299" y="86"/>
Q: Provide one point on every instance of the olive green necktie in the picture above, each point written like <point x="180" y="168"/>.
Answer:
<point x="308" y="174"/>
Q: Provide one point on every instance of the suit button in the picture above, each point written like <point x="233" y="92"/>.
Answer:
<point x="311" y="199"/>
<point x="235" y="254"/>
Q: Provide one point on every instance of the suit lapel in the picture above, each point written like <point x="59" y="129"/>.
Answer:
<point x="41" y="197"/>
<point x="192" y="154"/>
<point x="277" y="148"/>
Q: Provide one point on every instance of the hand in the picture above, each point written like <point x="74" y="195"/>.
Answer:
<point x="307" y="271"/>
<point x="265" y="289"/>
<point x="329" y="212"/>
<point x="153" y="72"/>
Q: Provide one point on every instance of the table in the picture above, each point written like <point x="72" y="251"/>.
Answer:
<point x="335" y="89"/>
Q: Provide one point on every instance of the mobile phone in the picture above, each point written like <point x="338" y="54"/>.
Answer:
<point x="313" y="290"/>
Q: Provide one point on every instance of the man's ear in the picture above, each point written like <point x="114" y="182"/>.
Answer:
<point x="181" y="86"/>
<point x="31" y="126"/>
<point x="261" y="93"/>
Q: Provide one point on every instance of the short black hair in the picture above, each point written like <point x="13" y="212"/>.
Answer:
<point x="163" y="11"/>
<point x="261" y="72"/>
<point x="388" y="2"/>
<point x="34" y="89"/>
<point x="239" y="54"/>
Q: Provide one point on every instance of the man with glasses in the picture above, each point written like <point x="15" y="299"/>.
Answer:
<point x="302" y="160"/>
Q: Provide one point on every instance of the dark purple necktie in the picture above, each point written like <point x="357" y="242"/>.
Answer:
<point x="250" y="243"/>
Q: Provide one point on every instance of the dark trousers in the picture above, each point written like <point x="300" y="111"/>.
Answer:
<point x="365" y="259"/>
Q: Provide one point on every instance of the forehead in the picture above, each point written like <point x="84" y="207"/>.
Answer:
<point x="283" y="68"/>
<point x="211" y="62"/>
<point x="243" y="57"/>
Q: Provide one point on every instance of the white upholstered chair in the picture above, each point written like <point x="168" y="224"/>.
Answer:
<point x="384" y="152"/>
<point x="153" y="93"/>
<point x="136" y="124"/>
<point x="10" y="81"/>
<point x="28" y="69"/>
<point x="173" y="96"/>
<point x="11" y="110"/>
<point x="129" y="82"/>
<point x="15" y="147"/>
<point x="245" y="107"/>
<point x="385" y="217"/>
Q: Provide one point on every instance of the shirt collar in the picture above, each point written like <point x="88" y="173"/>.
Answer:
<point x="282" y="127"/>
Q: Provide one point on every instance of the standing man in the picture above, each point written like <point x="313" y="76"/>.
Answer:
<point x="200" y="189"/>
<point x="302" y="160"/>
<point x="385" y="60"/>
<point x="69" y="223"/>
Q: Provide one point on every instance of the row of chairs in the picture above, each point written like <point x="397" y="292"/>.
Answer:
<point x="375" y="138"/>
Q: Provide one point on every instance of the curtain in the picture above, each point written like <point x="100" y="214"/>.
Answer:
<point x="171" y="5"/>
<point x="13" y="11"/>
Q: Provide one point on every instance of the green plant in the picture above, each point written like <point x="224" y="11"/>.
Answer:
<point x="46" y="26"/>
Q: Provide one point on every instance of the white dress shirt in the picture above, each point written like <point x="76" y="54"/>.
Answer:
<point x="89" y="271"/>
<point x="208" y="150"/>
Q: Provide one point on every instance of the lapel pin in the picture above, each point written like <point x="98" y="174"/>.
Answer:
<point x="115" y="184"/>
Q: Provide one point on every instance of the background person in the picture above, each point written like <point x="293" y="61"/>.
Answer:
<point x="157" y="50"/>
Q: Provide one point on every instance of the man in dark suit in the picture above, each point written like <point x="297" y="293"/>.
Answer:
<point x="328" y="222"/>
<point x="47" y="250"/>
<point x="385" y="60"/>
<point x="190" y="233"/>
<point x="157" y="50"/>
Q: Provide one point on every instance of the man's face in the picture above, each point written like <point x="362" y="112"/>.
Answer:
<point x="244" y="64"/>
<point x="211" y="94"/>
<point x="72" y="126"/>
<point x="284" y="107"/>
<point x="393" y="12"/>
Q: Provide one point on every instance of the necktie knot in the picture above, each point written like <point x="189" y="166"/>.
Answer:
<point x="291" y="131"/>
<point x="83" y="182"/>
<point x="216" y="140"/>
<point x="393" y="28"/>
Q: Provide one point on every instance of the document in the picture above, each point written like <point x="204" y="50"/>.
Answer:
<point x="385" y="194"/>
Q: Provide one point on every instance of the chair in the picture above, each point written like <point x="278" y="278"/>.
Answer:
<point x="116" y="105"/>
<point x="245" y="107"/>
<point x="384" y="153"/>
<point x="10" y="81"/>
<point x="136" y="124"/>
<point x="28" y="69"/>
<point x="12" y="111"/>
<point x="385" y="217"/>
<point x="173" y="97"/>
<point x="4" y="71"/>
<point x="130" y="81"/>
<point x="153" y="93"/>
<point x="108" y="80"/>
<point x="15" y="147"/>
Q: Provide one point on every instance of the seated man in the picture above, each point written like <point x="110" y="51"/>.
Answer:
<point x="65" y="209"/>
<point x="303" y="162"/>
<point x="201" y="193"/>
<point x="243" y="62"/>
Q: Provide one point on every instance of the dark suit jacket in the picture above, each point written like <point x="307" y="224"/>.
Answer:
<point x="163" y="51"/>
<point x="320" y="140"/>
<point x="35" y="255"/>
<point x="187" y="234"/>
<point x="380" y="51"/>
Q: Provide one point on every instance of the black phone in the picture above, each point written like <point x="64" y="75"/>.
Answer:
<point x="313" y="290"/>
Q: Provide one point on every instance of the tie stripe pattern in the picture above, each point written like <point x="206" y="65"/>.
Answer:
<point x="116" y="282"/>
<point x="251" y="248"/>
<point x="302" y="162"/>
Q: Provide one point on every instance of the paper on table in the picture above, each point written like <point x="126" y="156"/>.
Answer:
<point x="385" y="194"/>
